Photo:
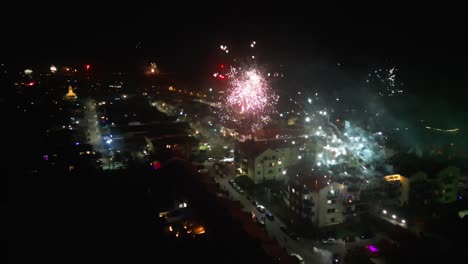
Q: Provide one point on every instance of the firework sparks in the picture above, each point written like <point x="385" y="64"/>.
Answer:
<point x="342" y="145"/>
<point x="385" y="81"/>
<point x="355" y="147"/>
<point x="250" y="100"/>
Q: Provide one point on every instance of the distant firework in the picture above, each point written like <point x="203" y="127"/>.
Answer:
<point x="384" y="80"/>
<point x="250" y="101"/>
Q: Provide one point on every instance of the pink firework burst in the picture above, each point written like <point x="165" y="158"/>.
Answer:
<point x="250" y="101"/>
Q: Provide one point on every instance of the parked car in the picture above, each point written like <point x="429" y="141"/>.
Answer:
<point x="261" y="208"/>
<point x="294" y="235"/>
<point x="260" y="220"/>
<point x="298" y="257"/>
<point x="270" y="216"/>
<point x="239" y="189"/>
<point x="329" y="241"/>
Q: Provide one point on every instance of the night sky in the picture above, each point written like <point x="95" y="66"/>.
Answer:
<point x="429" y="48"/>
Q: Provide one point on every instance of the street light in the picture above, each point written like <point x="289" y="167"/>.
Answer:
<point x="384" y="211"/>
<point x="394" y="216"/>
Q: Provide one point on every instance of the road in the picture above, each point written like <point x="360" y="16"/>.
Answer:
<point x="93" y="132"/>
<point x="310" y="250"/>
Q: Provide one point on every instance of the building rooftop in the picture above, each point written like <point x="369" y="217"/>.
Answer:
<point x="254" y="148"/>
<point x="311" y="178"/>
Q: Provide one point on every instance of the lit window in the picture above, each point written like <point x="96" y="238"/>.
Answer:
<point x="292" y="190"/>
<point x="329" y="201"/>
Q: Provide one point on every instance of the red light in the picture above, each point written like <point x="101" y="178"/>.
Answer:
<point x="88" y="66"/>
<point x="156" y="165"/>
<point x="30" y="84"/>
<point x="222" y="77"/>
<point x="222" y="66"/>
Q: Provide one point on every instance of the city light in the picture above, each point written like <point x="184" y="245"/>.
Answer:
<point x="394" y="177"/>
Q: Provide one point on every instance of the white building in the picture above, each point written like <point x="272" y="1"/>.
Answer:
<point x="267" y="160"/>
<point x="313" y="197"/>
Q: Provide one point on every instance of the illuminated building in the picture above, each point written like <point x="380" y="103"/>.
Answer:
<point x="398" y="187"/>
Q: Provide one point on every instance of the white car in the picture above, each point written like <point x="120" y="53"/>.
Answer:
<point x="298" y="257"/>
<point x="261" y="208"/>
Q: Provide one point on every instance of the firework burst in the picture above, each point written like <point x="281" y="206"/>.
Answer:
<point x="385" y="81"/>
<point x="250" y="101"/>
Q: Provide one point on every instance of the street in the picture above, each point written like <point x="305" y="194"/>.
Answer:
<point x="305" y="248"/>
<point x="93" y="132"/>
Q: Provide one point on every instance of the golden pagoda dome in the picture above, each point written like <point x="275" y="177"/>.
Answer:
<point x="70" y="95"/>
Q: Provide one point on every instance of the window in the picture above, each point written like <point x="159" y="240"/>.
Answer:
<point x="329" y="201"/>
<point x="270" y="171"/>
<point x="333" y="202"/>
<point x="279" y="169"/>
<point x="332" y="210"/>
<point x="332" y="220"/>
<point x="274" y="157"/>
<point x="258" y="172"/>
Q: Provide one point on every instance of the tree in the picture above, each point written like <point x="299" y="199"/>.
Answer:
<point x="421" y="191"/>
<point x="446" y="184"/>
